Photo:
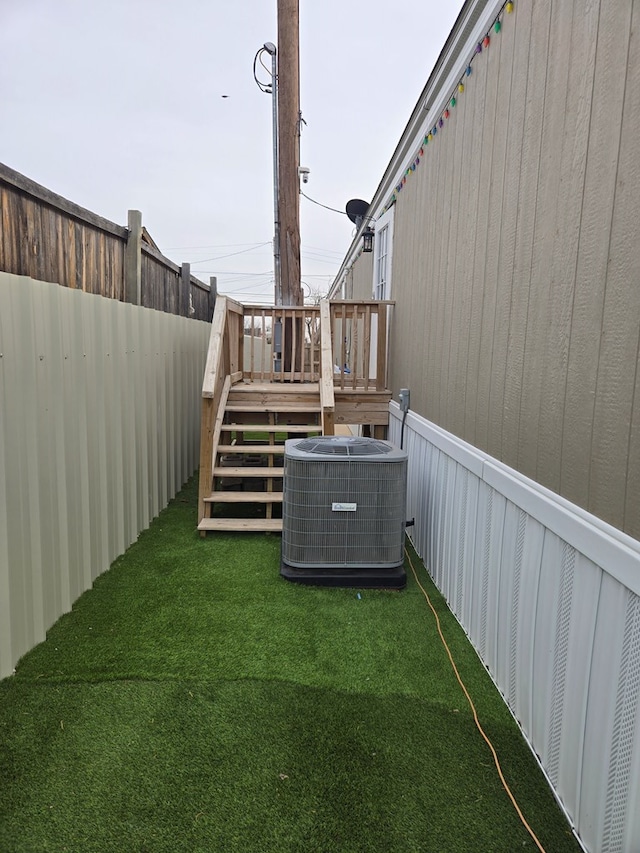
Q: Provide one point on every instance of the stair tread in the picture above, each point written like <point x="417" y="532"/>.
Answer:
<point x="272" y="427"/>
<point x="257" y="524"/>
<point x="276" y="387"/>
<point x="239" y="471"/>
<point x="251" y="449"/>
<point x="244" y="497"/>
<point x="272" y="407"/>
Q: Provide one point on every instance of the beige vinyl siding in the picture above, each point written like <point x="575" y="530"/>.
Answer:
<point x="362" y="277"/>
<point x="516" y="259"/>
<point x="99" y="427"/>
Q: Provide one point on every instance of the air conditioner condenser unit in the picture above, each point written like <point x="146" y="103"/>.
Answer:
<point x="343" y="512"/>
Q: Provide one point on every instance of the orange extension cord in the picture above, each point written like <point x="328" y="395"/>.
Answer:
<point x="475" y="715"/>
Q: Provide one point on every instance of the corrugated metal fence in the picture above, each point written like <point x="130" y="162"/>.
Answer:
<point x="99" y="428"/>
<point x="550" y="598"/>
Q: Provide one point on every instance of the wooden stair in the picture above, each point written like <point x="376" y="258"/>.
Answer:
<point x="254" y="420"/>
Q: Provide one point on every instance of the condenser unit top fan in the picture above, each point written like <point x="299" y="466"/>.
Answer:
<point x="339" y="445"/>
<point x="343" y="512"/>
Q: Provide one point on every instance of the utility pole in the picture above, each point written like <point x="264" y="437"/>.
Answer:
<point x="289" y="150"/>
<point x="272" y="51"/>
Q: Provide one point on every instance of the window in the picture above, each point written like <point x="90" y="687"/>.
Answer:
<point x="382" y="249"/>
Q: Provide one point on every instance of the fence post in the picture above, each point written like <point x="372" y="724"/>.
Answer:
<point x="213" y="292"/>
<point x="185" y="289"/>
<point x="133" y="259"/>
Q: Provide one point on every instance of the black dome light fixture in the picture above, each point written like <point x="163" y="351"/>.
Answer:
<point x="356" y="211"/>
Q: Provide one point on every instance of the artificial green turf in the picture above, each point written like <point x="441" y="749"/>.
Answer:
<point x="195" y="701"/>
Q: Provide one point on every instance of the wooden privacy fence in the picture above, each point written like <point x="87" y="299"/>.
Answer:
<point x="48" y="238"/>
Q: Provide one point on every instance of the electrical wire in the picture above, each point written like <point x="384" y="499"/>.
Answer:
<point x="340" y="255"/>
<point x="474" y="712"/>
<point x="236" y="272"/>
<point x="264" y="87"/>
<point x="326" y="207"/>
<point x="335" y="210"/>
<point x="268" y="70"/>
<point x="215" y="246"/>
<point x="316" y="260"/>
<point x="232" y="254"/>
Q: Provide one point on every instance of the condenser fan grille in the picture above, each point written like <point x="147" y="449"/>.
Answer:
<point x="343" y="446"/>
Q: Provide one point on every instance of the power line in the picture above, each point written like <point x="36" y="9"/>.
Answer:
<point x="327" y="251"/>
<point x="218" y="246"/>
<point x="231" y="254"/>
<point x="235" y="272"/>
<point x="321" y="260"/>
<point x="326" y="207"/>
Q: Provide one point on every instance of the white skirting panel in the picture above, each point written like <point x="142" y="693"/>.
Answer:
<point x="550" y="598"/>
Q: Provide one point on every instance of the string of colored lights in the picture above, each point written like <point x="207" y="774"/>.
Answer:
<point x="451" y="101"/>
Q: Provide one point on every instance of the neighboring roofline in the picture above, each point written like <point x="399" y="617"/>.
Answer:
<point x="474" y="20"/>
<point x="148" y="239"/>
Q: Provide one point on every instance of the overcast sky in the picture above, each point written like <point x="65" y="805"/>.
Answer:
<point x="118" y="104"/>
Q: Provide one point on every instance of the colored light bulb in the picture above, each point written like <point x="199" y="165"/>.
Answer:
<point x="460" y="87"/>
<point x="486" y="41"/>
<point x="453" y="102"/>
<point x="509" y="7"/>
<point x="498" y="26"/>
<point x="468" y="71"/>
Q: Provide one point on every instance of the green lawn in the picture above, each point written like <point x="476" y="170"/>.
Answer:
<point x="194" y="701"/>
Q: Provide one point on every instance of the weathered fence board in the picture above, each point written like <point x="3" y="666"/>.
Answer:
<point x="49" y="238"/>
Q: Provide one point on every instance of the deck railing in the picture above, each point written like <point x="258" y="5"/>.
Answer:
<point x="281" y="344"/>
<point x="348" y="340"/>
<point x="341" y="345"/>
<point x="360" y="332"/>
<point x="284" y="344"/>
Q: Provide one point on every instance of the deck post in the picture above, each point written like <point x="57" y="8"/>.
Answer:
<point x="327" y="398"/>
<point x="381" y="365"/>
<point x="207" y="426"/>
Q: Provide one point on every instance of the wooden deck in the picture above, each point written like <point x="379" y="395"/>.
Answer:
<point x="274" y="373"/>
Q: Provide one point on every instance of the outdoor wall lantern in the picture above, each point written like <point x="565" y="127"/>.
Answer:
<point x="367" y="239"/>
